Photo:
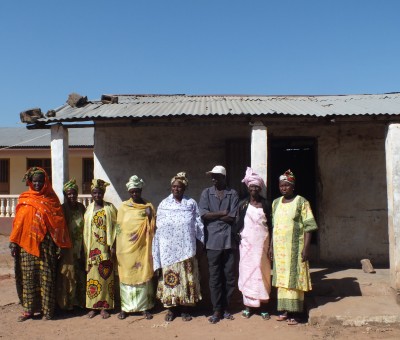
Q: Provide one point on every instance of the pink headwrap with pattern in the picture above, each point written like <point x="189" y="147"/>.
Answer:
<point x="251" y="178"/>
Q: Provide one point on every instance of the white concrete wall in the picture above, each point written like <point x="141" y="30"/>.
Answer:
<point x="393" y="195"/>
<point x="352" y="204"/>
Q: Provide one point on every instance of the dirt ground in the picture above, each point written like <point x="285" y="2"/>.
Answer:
<point x="76" y="325"/>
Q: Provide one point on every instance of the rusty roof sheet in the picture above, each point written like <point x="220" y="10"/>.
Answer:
<point x="157" y="106"/>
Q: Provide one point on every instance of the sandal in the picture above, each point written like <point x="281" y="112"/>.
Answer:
<point x="265" y="315"/>
<point x="46" y="317"/>
<point x="91" y="314"/>
<point x="147" y="315"/>
<point x="246" y="314"/>
<point x="104" y="314"/>
<point x="228" y="316"/>
<point x="122" y="315"/>
<point x="169" y="316"/>
<point x="25" y="316"/>
<point x="214" y="318"/>
<point x="292" y="322"/>
<point x="282" y="317"/>
<point x="186" y="317"/>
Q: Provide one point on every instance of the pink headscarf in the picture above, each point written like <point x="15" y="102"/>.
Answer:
<point x="251" y="178"/>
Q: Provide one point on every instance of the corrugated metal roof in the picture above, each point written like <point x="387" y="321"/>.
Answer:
<point x="21" y="138"/>
<point x="140" y="106"/>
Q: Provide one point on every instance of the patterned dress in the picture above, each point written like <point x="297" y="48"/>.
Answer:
<point x="99" y="236"/>
<point x="134" y="236"/>
<point x="292" y="276"/>
<point x="174" y="250"/>
<point x="71" y="276"/>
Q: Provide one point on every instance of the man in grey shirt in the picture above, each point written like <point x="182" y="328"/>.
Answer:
<point x="218" y="206"/>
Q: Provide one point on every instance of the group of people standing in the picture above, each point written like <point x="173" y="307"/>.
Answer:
<point x="69" y="256"/>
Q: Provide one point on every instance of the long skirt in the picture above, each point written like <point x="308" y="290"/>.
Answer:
<point x="290" y="300"/>
<point x="179" y="284"/>
<point x="35" y="278"/>
<point x="71" y="281"/>
<point x="100" y="286"/>
<point x="136" y="298"/>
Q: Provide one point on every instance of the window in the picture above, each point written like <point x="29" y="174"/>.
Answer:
<point x="5" y="176"/>
<point x="87" y="174"/>
<point x="44" y="163"/>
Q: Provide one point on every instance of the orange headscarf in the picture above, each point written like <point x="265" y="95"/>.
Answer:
<point x="39" y="213"/>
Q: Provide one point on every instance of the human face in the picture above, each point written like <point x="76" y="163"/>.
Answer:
<point x="98" y="195"/>
<point x="38" y="182"/>
<point x="254" y="191"/>
<point x="136" y="194"/>
<point x="177" y="189"/>
<point x="218" y="180"/>
<point x="72" y="197"/>
<point x="286" y="189"/>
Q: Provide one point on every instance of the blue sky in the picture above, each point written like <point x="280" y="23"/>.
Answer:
<point x="52" y="48"/>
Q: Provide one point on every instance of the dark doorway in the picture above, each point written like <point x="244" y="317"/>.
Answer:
<point x="298" y="155"/>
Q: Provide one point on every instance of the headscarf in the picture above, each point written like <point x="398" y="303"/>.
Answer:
<point x="71" y="184"/>
<point x="99" y="184"/>
<point x="181" y="177"/>
<point x="135" y="183"/>
<point x="288" y="177"/>
<point x="251" y="178"/>
<point x="31" y="172"/>
<point x="39" y="213"/>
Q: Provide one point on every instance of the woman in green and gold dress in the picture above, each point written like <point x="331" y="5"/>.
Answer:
<point x="293" y="222"/>
<point x="99" y="238"/>
<point x="71" y="276"/>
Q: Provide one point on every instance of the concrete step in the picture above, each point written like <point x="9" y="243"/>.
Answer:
<point x="354" y="311"/>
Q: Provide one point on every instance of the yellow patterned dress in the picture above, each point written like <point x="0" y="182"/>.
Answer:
<point x="99" y="236"/>
<point x="290" y="275"/>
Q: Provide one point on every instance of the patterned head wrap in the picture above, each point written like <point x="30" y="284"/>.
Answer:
<point x="31" y="172"/>
<point x="99" y="184"/>
<point x="135" y="183"/>
<point x="181" y="177"/>
<point x="251" y="178"/>
<point x="288" y="177"/>
<point x="71" y="184"/>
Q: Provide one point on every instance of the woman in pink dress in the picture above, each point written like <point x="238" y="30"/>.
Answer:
<point x="253" y="228"/>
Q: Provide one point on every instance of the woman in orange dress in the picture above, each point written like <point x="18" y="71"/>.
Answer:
<point x="39" y="231"/>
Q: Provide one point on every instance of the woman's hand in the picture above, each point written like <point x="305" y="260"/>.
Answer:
<point x="13" y="249"/>
<point x="305" y="254"/>
<point x="148" y="213"/>
<point x="271" y="253"/>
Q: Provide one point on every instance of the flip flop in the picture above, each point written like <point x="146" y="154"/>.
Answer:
<point x="147" y="315"/>
<point x="170" y="316"/>
<point x="228" y="316"/>
<point x="213" y="319"/>
<point x="265" y="315"/>
<point x="292" y="322"/>
<point x="186" y="317"/>
<point x="91" y="314"/>
<point x="104" y="314"/>
<point x="246" y="314"/>
<point x="25" y="316"/>
<point x="282" y="317"/>
<point x="122" y="315"/>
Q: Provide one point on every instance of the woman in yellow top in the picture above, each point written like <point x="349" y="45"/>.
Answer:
<point x="98" y="240"/>
<point x="293" y="222"/>
<point x="135" y="231"/>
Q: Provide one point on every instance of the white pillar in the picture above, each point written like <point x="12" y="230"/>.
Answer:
<point x="393" y="194"/>
<point x="259" y="150"/>
<point x="59" y="158"/>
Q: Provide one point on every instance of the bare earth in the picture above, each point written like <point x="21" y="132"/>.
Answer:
<point x="77" y="325"/>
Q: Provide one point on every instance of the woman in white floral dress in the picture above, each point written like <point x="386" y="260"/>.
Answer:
<point x="174" y="249"/>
